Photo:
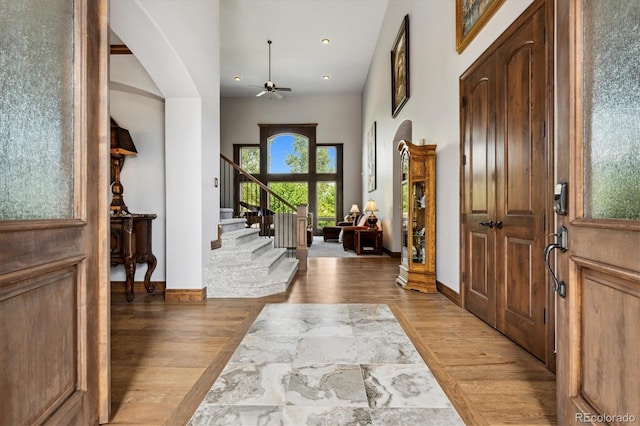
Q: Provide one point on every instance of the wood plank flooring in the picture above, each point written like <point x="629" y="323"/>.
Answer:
<point x="166" y="356"/>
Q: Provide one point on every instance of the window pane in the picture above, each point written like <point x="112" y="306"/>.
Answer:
<point x="250" y="159"/>
<point x="36" y="109"/>
<point x="288" y="153"/>
<point x="326" y="159"/>
<point x="294" y="193"/>
<point x="326" y="204"/>
<point x="612" y="109"/>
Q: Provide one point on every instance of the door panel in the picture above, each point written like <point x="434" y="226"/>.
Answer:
<point x="479" y="137"/>
<point x="609" y="317"/>
<point x="522" y="182"/>
<point x="48" y="377"/>
<point x="53" y="213"/>
<point x="598" y="321"/>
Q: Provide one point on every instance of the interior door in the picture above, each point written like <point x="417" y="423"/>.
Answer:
<point x="505" y="134"/>
<point x="522" y="184"/>
<point x="53" y="212"/>
<point x="478" y="94"/>
<point x="598" y="337"/>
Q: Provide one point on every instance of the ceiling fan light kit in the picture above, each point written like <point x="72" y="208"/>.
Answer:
<point x="270" y="87"/>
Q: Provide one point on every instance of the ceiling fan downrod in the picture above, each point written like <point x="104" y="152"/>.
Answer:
<point x="269" y="41"/>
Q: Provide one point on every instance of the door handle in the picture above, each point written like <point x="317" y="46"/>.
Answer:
<point x="492" y="224"/>
<point x="561" y="243"/>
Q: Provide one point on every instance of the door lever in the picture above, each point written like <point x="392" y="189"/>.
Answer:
<point x="490" y="224"/>
<point x="561" y="243"/>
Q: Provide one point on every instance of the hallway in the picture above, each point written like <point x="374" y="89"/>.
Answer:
<point x="165" y="357"/>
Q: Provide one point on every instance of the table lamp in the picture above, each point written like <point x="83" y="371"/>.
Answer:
<point x="354" y="211"/>
<point x="372" y="219"/>
<point x="121" y="146"/>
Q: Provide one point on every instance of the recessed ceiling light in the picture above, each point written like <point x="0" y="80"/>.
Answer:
<point x="325" y="41"/>
<point x="237" y="78"/>
<point x="326" y="77"/>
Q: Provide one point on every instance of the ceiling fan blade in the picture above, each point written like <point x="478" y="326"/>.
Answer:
<point x="277" y="95"/>
<point x="283" y="89"/>
<point x="261" y="93"/>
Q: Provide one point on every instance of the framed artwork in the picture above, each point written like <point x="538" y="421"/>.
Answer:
<point x="371" y="158"/>
<point x="400" y="69"/>
<point x="471" y="16"/>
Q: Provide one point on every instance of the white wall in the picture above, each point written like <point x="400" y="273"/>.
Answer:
<point x="435" y="68"/>
<point x="135" y="104"/>
<point x="178" y="44"/>
<point x="338" y="119"/>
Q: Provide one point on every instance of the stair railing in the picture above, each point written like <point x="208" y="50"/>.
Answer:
<point x="247" y="197"/>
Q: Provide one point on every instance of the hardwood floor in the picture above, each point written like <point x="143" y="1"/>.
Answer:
<point x="166" y="356"/>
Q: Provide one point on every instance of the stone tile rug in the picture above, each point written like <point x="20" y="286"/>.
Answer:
<point x="326" y="364"/>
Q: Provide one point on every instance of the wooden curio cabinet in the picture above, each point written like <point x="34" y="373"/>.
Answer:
<point x="418" y="253"/>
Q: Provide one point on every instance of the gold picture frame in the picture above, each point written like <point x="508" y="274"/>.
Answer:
<point x="400" y="69"/>
<point x="471" y="16"/>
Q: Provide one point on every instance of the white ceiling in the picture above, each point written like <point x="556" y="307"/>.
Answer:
<point x="298" y="58"/>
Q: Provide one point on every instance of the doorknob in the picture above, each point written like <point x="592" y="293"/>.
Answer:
<point x="490" y="224"/>
<point x="499" y="224"/>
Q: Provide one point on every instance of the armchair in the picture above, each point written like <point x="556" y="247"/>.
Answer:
<point x="333" y="232"/>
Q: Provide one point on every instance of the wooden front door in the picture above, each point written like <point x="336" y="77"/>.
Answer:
<point x="478" y="89"/>
<point x="53" y="213"/>
<point x="506" y="182"/>
<point x="598" y="338"/>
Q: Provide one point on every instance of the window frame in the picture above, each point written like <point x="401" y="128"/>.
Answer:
<point x="312" y="177"/>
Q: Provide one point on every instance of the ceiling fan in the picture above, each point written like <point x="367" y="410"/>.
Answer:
<point x="270" y="86"/>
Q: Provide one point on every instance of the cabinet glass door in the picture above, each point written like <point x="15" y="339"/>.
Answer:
<point x="418" y="223"/>
<point x="405" y="225"/>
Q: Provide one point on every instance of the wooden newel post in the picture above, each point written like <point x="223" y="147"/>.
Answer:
<point x="301" y="243"/>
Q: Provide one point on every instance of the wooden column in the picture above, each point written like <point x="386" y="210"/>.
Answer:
<point x="302" y="250"/>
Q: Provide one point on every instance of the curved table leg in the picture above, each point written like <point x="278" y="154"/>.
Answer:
<point x="151" y="266"/>
<point x="130" y="269"/>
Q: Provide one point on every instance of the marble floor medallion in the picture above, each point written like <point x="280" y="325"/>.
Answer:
<point x="322" y="364"/>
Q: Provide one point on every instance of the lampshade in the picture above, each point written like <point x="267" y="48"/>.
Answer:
<point x="121" y="145"/>
<point x="121" y="142"/>
<point x="354" y="209"/>
<point x="371" y="206"/>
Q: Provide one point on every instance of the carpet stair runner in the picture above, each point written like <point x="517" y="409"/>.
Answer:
<point x="247" y="265"/>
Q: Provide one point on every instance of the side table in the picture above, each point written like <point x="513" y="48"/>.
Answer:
<point x="131" y="244"/>
<point x="368" y="241"/>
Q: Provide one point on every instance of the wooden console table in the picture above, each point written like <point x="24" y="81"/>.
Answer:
<point x="368" y="241"/>
<point x="130" y="245"/>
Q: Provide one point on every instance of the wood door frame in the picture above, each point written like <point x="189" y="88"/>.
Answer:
<point x="550" y="361"/>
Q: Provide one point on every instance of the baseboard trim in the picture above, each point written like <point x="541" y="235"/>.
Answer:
<point x="185" y="295"/>
<point x="449" y="294"/>
<point x="393" y="254"/>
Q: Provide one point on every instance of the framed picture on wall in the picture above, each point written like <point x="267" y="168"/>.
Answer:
<point x="471" y="16"/>
<point x="400" y="68"/>
<point x="371" y="158"/>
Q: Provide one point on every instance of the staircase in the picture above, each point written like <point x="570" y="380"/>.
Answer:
<point x="247" y="265"/>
